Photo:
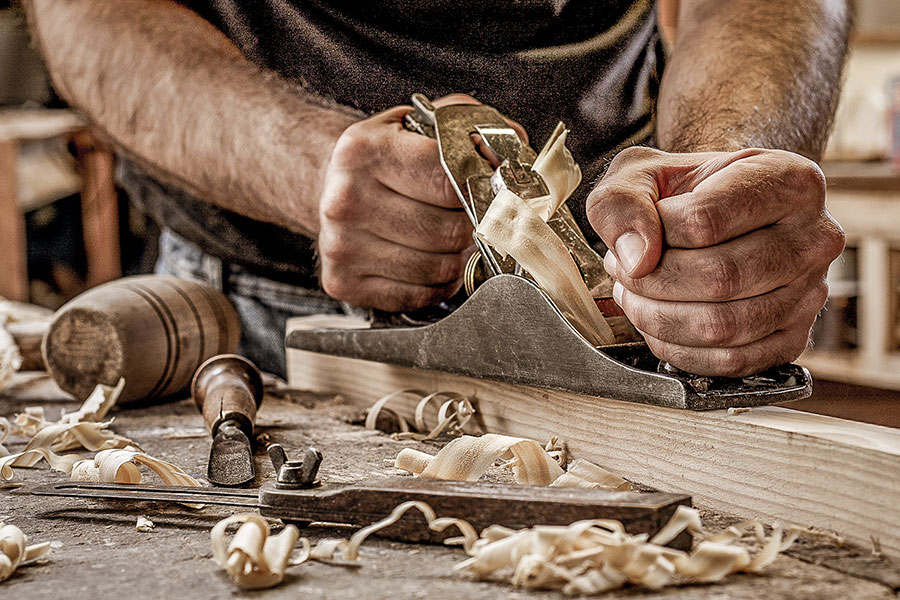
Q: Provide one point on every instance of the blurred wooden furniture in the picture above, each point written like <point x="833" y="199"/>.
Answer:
<point x="865" y="200"/>
<point x="23" y="189"/>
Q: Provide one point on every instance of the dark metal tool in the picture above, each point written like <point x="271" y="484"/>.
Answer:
<point x="508" y="329"/>
<point x="294" y="498"/>
<point x="228" y="390"/>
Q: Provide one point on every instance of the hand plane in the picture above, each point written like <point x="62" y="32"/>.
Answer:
<point x="510" y="330"/>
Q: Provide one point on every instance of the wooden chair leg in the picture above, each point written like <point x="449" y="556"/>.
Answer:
<point x="99" y="211"/>
<point x="13" y="250"/>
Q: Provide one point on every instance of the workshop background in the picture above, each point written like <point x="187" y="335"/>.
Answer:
<point x="65" y="227"/>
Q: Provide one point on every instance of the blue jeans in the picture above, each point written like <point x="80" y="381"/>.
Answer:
<point x="262" y="305"/>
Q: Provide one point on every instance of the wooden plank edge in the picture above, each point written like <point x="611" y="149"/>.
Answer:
<point x="772" y="464"/>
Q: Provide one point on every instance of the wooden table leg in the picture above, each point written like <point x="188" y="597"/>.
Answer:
<point x="13" y="250"/>
<point x="99" y="211"/>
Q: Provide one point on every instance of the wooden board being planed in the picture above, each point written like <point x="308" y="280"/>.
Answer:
<point x="772" y="463"/>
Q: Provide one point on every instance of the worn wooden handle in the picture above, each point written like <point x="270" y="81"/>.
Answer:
<point x="228" y="387"/>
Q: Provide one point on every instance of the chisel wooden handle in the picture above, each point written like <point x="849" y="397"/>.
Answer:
<point x="228" y="387"/>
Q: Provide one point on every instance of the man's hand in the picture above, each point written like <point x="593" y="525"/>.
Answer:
<point x="393" y="234"/>
<point x="720" y="258"/>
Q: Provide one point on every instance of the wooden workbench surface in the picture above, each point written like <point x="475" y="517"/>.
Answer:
<point x="100" y="554"/>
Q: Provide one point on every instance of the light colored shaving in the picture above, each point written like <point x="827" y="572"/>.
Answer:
<point x="121" y="466"/>
<point x="348" y="550"/>
<point x="557" y="167"/>
<point x="592" y="557"/>
<point x="467" y="458"/>
<point x="253" y="558"/>
<point x="15" y="551"/>
<point x="513" y="228"/>
<point x="453" y="414"/>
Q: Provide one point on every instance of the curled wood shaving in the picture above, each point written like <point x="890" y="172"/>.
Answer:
<point x="512" y="227"/>
<point x="15" y="551"/>
<point x="121" y="466"/>
<point x="144" y="525"/>
<point x="62" y="463"/>
<point x="96" y="405"/>
<point x="467" y="458"/>
<point x="348" y="549"/>
<point x="557" y="167"/>
<point x="254" y="559"/>
<point x="591" y="557"/>
<point x="584" y="474"/>
<point x="452" y="415"/>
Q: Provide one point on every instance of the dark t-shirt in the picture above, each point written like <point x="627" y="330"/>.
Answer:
<point x="593" y="64"/>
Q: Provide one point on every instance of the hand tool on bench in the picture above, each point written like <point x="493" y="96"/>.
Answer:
<point x="531" y="342"/>
<point x="228" y="390"/>
<point x="295" y="498"/>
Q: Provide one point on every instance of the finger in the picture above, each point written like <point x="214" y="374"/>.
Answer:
<point x="622" y="210"/>
<point x="365" y="254"/>
<point x="397" y="296"/>
<point x="400" y="219"/>
<point x="778" y="348"/>
<point x="451" y="99"/>
<point x="748" y="266"/>
<point x="749" y="193"/>
<point x="724" y="324"/>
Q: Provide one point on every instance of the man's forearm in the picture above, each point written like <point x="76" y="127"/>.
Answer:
<point x="762" y="73"/>
<point x="173" y="92"/>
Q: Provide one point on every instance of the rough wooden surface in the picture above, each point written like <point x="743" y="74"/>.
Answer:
<point x="771" y="463"/>
<point x="102" y="555"/>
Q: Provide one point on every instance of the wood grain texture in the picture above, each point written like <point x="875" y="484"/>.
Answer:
<point x="771" y="463"/>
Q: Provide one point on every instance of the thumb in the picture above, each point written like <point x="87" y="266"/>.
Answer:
<point x="622" y="210"/>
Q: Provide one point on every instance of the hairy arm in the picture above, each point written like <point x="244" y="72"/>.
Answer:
<point x="760" y="73"/>
<point x="175" y="94"/>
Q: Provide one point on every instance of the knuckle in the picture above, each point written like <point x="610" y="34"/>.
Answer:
<point x="336" y="285"/>
<point x="633" y="154"/>
<point x="704" y="226"/>
<point x="449" y="268"/>
<point x="445" y="187"/>
<point x="722" y="277"/>
<point x="338" y="205"/>
<point x="354" y="147"/>
<point x="334" y="249"/>
<point x="834" y="238"/>
<point x="718" y="325"/>
<point x="458" y="236"/>
<point x="731" y="362"/>
<point x="809" y="180"/>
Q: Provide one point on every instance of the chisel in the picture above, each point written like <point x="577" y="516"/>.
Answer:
<point x="228" y="390"/>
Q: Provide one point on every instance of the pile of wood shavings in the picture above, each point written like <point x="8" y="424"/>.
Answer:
<point x="117" y="456"/>
<point x="15" y="551"/>
<point x="255" y="560"/>
<point x="592" y="557"/>
<point x="585" y="558"/>
<point x="453" y="414"/>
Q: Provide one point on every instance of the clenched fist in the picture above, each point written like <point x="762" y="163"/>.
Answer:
<point x="392" y="232"/>
<point x="719" y="258"/>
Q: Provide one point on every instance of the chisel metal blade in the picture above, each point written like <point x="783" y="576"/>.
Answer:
<point x="230" y="457"/>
